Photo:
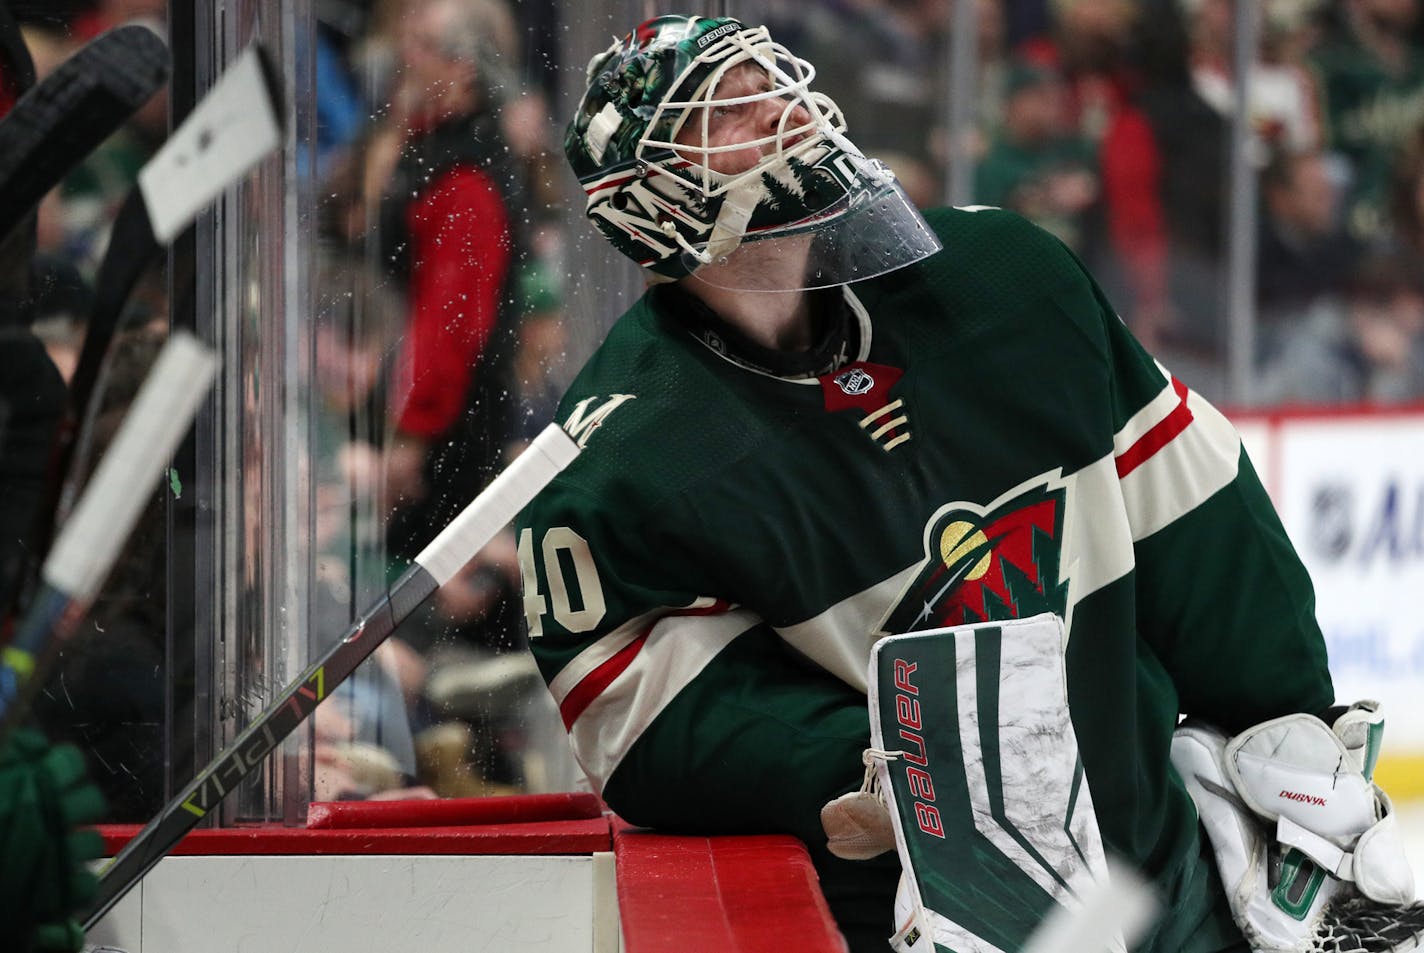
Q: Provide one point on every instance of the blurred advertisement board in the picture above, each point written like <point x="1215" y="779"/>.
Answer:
<point x="1350" y="490"/>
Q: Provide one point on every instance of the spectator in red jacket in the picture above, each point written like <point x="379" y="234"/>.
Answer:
<point x="447" y="233"/>
<point x="1089" y="44"/>
<point x="451" y="233"/>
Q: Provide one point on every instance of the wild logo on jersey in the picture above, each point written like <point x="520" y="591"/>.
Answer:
<point x="988" y="566"/>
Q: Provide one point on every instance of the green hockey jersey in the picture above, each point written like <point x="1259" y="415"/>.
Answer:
<point x="703" y="585"/>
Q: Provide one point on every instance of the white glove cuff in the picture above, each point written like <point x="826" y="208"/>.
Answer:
<point x="1381" y="868"/>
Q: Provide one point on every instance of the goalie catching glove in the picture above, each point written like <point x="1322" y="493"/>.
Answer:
<point x="1307" y="845"/>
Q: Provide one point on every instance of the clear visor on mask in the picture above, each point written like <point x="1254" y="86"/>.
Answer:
<point x="872" y="230"/>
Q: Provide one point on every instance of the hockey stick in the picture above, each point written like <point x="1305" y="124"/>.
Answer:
<point x="110" y="507"/>
<point x="17" y="67"/>
<point x="1120" y="908"/>
<point x="231" y="129"/>
<point x="550" y="452"/>
<point x="58" y="122"/>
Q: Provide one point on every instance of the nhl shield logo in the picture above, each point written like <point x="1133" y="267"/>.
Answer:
<point x="714" y="341"/>
<point x="855" y="381"/>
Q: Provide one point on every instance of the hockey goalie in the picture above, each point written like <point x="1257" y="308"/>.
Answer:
<point x="844" y="450"/>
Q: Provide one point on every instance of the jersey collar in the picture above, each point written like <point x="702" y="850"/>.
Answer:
<point x="844" y="333"/>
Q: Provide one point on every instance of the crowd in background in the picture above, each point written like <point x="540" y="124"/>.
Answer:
<point x="1109" y="123"/>
<point x="437" y="339"/>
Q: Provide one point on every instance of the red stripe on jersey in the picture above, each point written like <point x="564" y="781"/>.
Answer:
<point x="1161" y="434"/>
<point x="593" y="684"/>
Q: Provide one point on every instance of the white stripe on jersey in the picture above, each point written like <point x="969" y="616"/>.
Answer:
<point x="605" y="648"/>
<point x="1182" y="475"/>
<point x="840" y="638"/>
<point x="1097" y="542"/>
<point x="677" y="649"/>
<point x="1148" y="416"/>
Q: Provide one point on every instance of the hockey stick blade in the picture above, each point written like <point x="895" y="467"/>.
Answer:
<point x="58" y="122"/>
<point x="235" y="125"/>
<point x="231" y="129"/>
<point x="510" y="492"/>
<point x="90" y="542"/>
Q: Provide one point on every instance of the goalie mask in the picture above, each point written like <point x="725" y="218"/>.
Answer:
<point x="678" y="197"/>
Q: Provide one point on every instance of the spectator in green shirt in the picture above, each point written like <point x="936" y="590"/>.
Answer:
<point x="1036" y="165"/>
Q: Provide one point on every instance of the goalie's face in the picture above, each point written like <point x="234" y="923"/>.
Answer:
<point x="746" y="121"/>
<point x="743" y="107"/>
<point x="698" y="137"/>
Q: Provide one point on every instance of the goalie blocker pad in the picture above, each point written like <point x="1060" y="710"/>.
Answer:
<point x="993" y="818"/>
<point x="1308" y="848"/>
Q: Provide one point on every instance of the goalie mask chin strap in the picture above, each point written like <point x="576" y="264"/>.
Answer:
<point x="731" y="225"/>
